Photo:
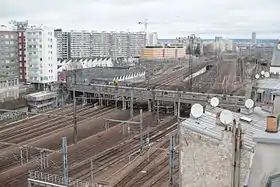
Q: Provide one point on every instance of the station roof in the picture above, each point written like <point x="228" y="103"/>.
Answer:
<point x="102" y="73"/>
<point x="40" y="96"/>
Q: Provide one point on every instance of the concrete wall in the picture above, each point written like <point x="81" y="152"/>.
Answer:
<point x="266" y="159"/>
<point x="206" y="162"/>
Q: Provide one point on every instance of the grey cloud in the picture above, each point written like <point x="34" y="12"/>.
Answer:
<point x="168" y="17"/>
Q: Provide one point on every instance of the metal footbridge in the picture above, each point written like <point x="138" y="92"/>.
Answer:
<point x="156" y="94"/>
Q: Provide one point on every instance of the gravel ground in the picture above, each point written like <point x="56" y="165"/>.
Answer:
<point x="206" y="162"/>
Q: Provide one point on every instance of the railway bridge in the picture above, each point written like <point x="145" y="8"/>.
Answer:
<point x="122" y="93"/>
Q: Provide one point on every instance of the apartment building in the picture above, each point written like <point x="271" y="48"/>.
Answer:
<point x="9" y="65"/>
<point x="63" y="44"/>
<point x="100" y="44"/>
<point x="41" y="56"/>
<point x="136" y="44"/>
<point x="80" y="44"/>
<point x="127" y="44"/>
<point x="120" y="45"/>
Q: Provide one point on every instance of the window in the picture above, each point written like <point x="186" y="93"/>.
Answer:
<point x="19" y="34"/>
<point x="41" y="59"/>
<point x="19" y="46"/>
<point x="20" y="58"/>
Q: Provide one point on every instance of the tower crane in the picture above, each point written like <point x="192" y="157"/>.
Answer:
<point x="145" y="23"/>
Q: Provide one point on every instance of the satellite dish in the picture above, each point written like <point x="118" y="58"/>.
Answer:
<point x="262" y="72"/>
<point x="214" y="102"/>
<point x="197" y="110"/>
<point x="249" y="103"/>
<point x="226" y="117"/>
<point x="266" y="74"/>
<point x="257" y="76"/>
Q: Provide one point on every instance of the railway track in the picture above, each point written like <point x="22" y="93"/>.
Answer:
<point x="127" y="180"/>
<point x="78" y="152"/>
<point x="51" y="130"/>
<point x="120" y="152"/>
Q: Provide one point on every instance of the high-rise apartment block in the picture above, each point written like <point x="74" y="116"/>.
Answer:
<point x="80" y="44"/>
<point x="41" y="56"/>
<point x="63" y="44"/>
<point x="136" y="43"/>
<point x="76" y="44"/>
<point x="100" y="44"/>
<point x="119" y="45"/>
<point x="9" y="65"/>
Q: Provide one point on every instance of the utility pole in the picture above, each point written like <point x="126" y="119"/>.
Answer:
<point x="191" y="54"/>
<point x="75" y="135"/>
<point x="236" y="154"/>
<point x="141" y="128"/>
<point x="65" y="161"/>
<point x="171" y="161"/>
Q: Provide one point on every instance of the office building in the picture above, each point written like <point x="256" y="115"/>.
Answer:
<point x="254" y="37"/>
<point x="80" y="44"/>
<point x="218" y="38"/>
<point x="152" y="39"/>
<point x="100" y="44"/>
<point x="41" y="56"/>
<point x="9" y="65"/>
<point x="63" y="44"/>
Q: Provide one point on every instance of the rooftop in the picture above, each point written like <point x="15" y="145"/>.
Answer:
<point x="39" y="96"/>
<point x="100" y="73"/>
<point x="268" y="83"/>
<point x="206" y="125"/>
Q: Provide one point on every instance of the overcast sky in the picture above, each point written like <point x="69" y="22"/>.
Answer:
<point x="170" y="18"/>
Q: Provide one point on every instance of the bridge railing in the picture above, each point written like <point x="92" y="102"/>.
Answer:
<point x="159" y="94"/>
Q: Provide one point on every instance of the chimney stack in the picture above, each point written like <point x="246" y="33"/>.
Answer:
<point x="271" y="124"/>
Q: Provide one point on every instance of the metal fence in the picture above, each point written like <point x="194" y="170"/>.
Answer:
<point x="38" y="178"/>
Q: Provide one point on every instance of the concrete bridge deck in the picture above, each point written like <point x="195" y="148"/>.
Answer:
<point x="157" y="94"/>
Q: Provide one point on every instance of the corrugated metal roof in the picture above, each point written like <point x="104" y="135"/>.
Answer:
<point x="268" y="83"/>
<point x="206" y="125"/>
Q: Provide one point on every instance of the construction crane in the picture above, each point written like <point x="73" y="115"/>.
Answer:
<point x="145" y="23"/>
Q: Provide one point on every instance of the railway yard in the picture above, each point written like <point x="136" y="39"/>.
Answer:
<point x="112" y="153"/>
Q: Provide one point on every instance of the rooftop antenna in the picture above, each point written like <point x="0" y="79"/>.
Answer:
<point x="197" y="110"/>
<point x="214" y="102"/>
<point x="257" y="76"/>
<point x="226" y="117"/>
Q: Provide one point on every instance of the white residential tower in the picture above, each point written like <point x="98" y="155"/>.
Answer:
<point x="41" y="56"/>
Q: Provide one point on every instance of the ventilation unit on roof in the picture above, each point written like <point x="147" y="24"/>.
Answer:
<point x="246" y="119"/>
